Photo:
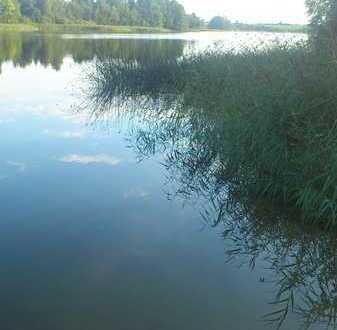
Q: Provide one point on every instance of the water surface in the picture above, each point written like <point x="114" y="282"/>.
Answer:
<point x="98" y="228"/>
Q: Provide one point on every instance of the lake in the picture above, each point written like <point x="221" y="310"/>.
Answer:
<point x="111" y="215"/>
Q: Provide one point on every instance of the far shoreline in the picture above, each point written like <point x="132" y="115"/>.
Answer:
<point x="93" y="28"/>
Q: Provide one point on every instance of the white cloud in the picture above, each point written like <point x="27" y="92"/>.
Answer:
<point x="7" y="121"/>
<point x="64" y="134"/>
<point x="91" y="159"/>
<point x="21" y="167"/>
<point x="136" y="193"/>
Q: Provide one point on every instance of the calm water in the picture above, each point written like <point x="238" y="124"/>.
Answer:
<point x="108" y="219"/>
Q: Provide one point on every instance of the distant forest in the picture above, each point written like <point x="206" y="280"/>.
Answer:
<point x="168" y="14"/>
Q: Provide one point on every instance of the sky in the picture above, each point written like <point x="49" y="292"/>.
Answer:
<point x="250" y="11"/>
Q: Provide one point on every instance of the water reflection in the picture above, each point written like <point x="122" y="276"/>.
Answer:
<point x="51" y="49"/>
<point x="24" y="49"/>
<point x="300" y="261"/>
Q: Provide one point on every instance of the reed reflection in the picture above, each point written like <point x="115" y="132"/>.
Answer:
<point x="174" y="122"/>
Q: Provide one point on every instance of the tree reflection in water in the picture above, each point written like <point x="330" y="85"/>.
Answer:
<point x="23" y="49"/>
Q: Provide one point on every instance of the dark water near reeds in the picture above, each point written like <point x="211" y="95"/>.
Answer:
<point x="115" y="219"/>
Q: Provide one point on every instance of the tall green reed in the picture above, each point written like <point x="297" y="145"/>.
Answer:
<point x="268" y="115"/>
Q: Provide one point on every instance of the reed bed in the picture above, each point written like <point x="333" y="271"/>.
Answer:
<point x="268" y="115"/>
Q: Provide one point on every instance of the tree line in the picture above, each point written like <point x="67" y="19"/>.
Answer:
<point x="323" y="24"/>
<point x="168" y="14"/>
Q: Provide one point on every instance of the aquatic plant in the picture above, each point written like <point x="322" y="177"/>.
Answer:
<point x="300" y="258"/>
<point x="268" y="115"/>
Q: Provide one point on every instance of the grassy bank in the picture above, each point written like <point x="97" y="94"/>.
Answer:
<point x="280" y="28"/>
<point x="18" y="27"/>
<point x="78" y="28"/>
<point x="88" y="28"/>
<point x="268" y="116"/>
<point x="93" y="28"/>
<point x="277" y="28"/>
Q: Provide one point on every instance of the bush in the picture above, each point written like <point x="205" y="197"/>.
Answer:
<point x="219" y="23"/>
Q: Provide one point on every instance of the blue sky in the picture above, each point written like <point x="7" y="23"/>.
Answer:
<point x="251" y="11"/>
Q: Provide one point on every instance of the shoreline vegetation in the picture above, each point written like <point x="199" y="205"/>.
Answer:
<point x="265" y="123"/>
<point x="96" y="28"/>
<point x="254" y="229"/>
<point x="79" y="28"/>
<point x="266" y="118"/>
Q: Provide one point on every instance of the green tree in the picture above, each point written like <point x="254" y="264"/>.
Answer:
<point x="27" y="7"/>
<point x="150" y="12"/>
<point x="9" y="11"/>
<point x="176" y="16"/>
<point x="103" y="13"/>
<point x="323" y="15"/>
<point x="195" y="22"/>
<point x="219" y="23"/>
<point x="156" y="13"/>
